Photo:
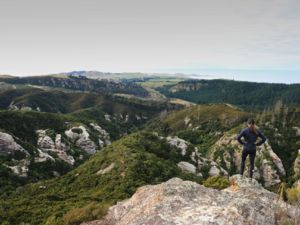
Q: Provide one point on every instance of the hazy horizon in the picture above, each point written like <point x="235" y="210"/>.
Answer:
<point x="185" y="75"/>
<point x="245" y="40"/>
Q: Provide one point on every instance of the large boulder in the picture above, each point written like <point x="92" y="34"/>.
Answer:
<point x="185" y="203"/>
<point x="187" y="167"/>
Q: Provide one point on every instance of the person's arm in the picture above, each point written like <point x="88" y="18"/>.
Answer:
<point x="239" y="137"/>
<point x="262" y="137"/>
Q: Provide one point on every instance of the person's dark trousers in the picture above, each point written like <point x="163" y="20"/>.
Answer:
<point x="251" y="154"/>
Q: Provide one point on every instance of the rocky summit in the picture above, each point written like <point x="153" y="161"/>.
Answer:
<point x="186" y="202"/>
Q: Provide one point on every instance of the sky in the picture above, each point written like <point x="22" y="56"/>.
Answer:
<point x="251" y="40"/>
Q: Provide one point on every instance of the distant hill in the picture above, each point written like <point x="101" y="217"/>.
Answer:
<point x="248" y="95"/>
<point x="80" y="84"/>
<point x="58" y="101"/>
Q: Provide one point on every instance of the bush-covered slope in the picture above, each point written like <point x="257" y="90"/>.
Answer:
<point x="201" y="125"/>
<point x="48" y="101"/>
<point x="207" y="125"/>
<point x="111" y="175"/>
<point x="282" y="127"/>
<point x="41" y="154"/>
<point x="34" y="131"/>
<point x="29" y="98"/>
<point x="248" y="95"/>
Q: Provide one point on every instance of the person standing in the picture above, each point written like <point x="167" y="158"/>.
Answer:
<point x="250" y="135"/>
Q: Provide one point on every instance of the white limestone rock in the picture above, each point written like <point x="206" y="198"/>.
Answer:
<point x="187" y="167"/>
<point x="297" y="164"/>
<point x="178" y="143"/>
<point x="80" y="137"/>
<point x="8" y="146"/>
<point x="104" y="137"/>
<point x="45" y="144"/>
<point x="106" y="170"/>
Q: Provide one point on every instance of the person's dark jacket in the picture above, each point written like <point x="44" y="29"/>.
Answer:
<point x="250" y="138"/>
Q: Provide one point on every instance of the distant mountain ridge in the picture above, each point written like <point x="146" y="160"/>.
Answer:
<point x="80" y="84"/>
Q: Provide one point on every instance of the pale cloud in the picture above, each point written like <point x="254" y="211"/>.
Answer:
<point x="138" y="35"/>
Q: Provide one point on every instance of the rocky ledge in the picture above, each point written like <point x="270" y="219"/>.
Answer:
<point x="185" y="202"/>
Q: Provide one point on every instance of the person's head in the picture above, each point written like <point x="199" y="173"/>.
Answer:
<point x="251" y="124"/>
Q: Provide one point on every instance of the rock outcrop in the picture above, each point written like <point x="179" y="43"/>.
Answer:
<point x="45" y="145"/>
<point x="187" y="167"/>
<point x="104" y="137"/>
<point x="80" y="136"/>
<point x="178" y="143"/>
<point x="297" y="164"/>
<point x="8" y="146"/>
<point x="198" y="164"/>
<point x="268" y="167"/>
<point x="185" y="203"/>
<point x="21" y="167"/>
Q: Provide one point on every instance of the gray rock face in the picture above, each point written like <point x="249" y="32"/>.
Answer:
<point x="199" y="162"/>
<point x="214" y="171"/>
<point x="178" y="202"/>
<point x="187" y="167"/>
<point x="238" y="181"/>
<point x="45" y="144"/>
<point x="80" y="137"/>
<point x="297" y="164"/>
<point x="178" y="143"/>
<point x="44" y="141"/>
<point x="43" y="156"/>
<point x="21" y="169"/>
<point x="8" y="146"/>
<point x="104" y="137"/>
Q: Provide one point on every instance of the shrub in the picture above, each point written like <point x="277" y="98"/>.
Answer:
<point x="282" y="191"/>
<point x="216" y="182"/>
<point x="77" y="130"/>
<point x="293" y="195"/>
<point x="89" y="212"/>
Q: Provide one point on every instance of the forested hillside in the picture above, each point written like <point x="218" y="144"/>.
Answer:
<point x="70" y="147"/>
<point x="249" y="95"/>
<point x="46" y="133"/>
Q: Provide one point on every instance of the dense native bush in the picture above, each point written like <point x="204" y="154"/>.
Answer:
<point x="216" y="182"/>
